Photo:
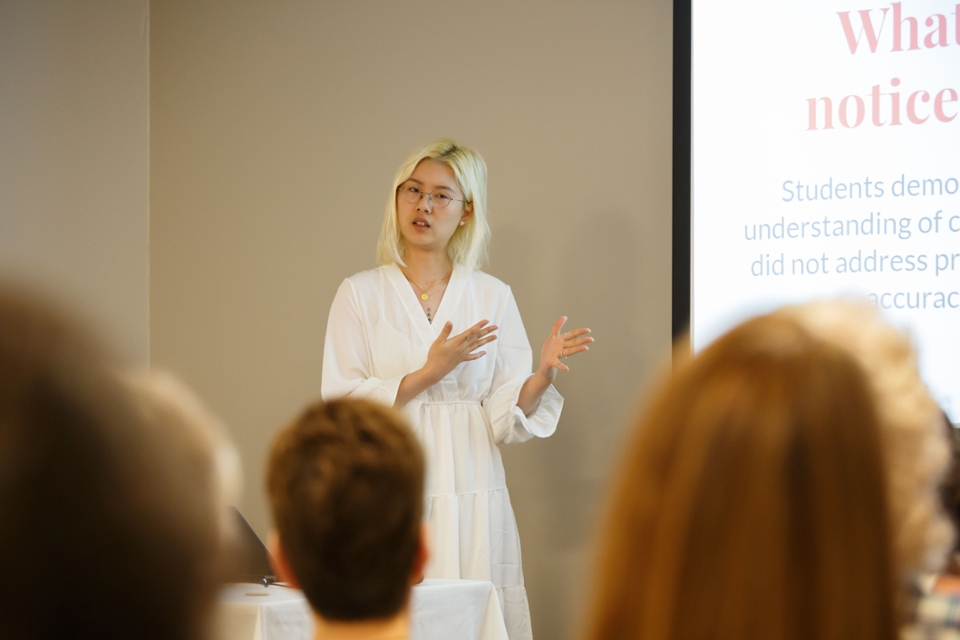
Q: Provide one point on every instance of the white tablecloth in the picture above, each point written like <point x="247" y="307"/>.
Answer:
<point x="439" y="610"/>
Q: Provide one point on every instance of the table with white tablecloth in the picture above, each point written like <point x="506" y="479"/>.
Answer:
<point x="439" y="610"/>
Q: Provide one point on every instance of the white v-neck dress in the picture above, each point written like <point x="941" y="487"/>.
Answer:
<point x="376" y="334"/>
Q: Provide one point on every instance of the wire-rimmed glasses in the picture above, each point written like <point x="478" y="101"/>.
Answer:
<point x="412" y="194"/>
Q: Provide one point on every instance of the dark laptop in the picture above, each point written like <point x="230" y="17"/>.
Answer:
<point x="248" y="559"/>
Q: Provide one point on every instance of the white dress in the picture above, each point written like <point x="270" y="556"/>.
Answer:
<point x="376" y="334"/>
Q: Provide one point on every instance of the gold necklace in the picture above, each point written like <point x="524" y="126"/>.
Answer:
<point x="423" y="292"/>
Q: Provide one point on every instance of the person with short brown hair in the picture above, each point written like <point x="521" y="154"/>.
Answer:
<point x="345" y="482"/>
<point x="753" y="503"/>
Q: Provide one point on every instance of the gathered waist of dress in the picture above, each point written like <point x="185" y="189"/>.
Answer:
<point x="442" y="402"/>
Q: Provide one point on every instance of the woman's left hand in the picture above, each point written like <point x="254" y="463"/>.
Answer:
<point x="560" y="345"/>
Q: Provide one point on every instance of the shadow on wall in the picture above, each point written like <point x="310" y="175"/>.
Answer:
<point x="557" y="485"/>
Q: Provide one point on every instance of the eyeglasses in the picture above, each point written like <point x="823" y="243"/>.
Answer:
<point x="412" y="194"/>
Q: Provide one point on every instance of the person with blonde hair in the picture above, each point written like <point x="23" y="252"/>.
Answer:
<point x="429" y="332"/>
<point x="916" y="448"/>
<point x="770" y="492"/>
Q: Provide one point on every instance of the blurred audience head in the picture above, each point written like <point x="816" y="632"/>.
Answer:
<point x="103" y="534"/>
<point x="209" y="470"/>
<point x="755" y="502"/>
<point x="346" y="488"/>
<point x="950" y="491"/>
<point x="915" y="442"/>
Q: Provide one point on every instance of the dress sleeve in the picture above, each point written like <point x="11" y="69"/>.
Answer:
<point x="513" y="367"/>
<point x="347" y="365"/>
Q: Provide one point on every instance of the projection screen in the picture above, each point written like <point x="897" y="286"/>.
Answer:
<point x="825" y="161"/>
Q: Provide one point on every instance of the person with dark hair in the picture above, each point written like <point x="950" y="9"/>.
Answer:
<point x="103" y="535"/>
<point x="938" y="596"/>
<point x="345" y="482"/>
<point x="950" y="495"/>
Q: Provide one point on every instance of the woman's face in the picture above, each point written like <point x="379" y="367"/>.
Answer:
<point x="423" y="223"/>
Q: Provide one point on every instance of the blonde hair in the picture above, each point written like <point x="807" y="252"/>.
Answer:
<point x="468" y="246"/>
<point x="752" y="504"/>
<point x="916" y="448"/>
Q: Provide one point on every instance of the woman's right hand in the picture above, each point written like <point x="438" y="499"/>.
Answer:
<point x="443" y="357"/>
<point x="446" y="353"/>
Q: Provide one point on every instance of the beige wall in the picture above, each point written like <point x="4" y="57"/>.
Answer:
<point x="74" y="158"/>
<point x="276" y="129"/>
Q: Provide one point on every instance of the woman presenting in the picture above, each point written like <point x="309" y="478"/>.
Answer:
<point x="429" y="332"/>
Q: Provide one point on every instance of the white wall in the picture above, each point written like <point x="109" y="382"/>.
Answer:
<point x="276" y="129"/>
<point x="74" y="158"/>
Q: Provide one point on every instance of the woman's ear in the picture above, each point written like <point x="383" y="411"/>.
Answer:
<point x="278" y="560"/>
